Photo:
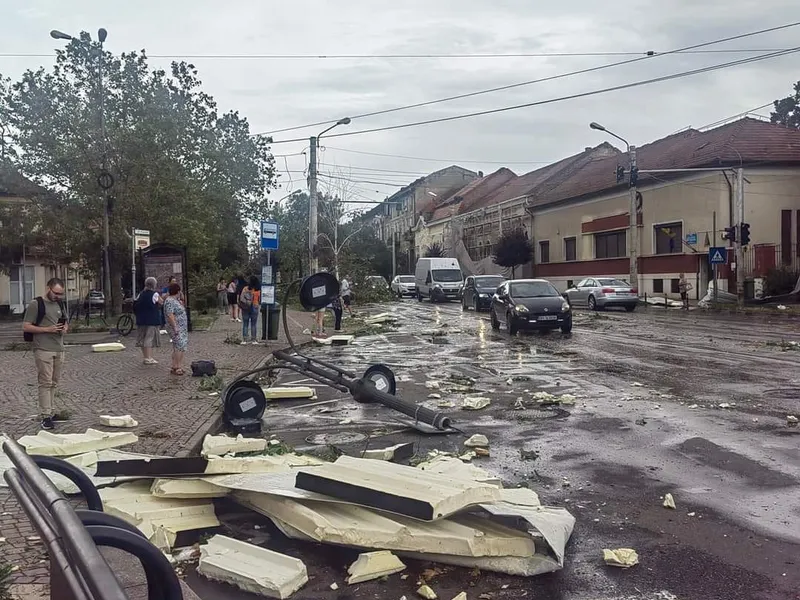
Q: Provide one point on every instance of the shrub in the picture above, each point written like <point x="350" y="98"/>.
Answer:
<point x="780" y="281"/>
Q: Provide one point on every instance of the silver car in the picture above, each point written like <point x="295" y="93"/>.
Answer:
<point x="404" y="285"/>
<point x="598" y="293"/>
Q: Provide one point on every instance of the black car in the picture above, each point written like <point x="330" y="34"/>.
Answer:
<point x="530" y="304"/>
<point x="478" y="290"/>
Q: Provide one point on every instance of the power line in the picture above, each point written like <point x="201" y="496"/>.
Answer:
<point x="741" y="114"/>
<point x="386" y="183"/>
<point x="561" y="98"/>
<point x="551" y="78"/>
<point x="379" y="171"/>
<point x="446" y="160"/>
<point x="414" y="56"/>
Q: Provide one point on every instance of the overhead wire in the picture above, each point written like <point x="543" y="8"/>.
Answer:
<point x="543" y="79"/>
<point x="615" y="88"/>
<point x="447" y="160"/>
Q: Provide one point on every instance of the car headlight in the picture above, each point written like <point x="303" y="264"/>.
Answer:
<point x="565" y="306"/>
<point x="483" y="295"/>
<point x="521" y="308"/>
<point x="436" y="286"/>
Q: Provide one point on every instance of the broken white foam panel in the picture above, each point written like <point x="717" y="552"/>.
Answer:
<point x="289" y="392"/>
<point x="220" y="445"/>
<point x="187" y="489"/>
<point x="395" y="488"/>
<point x="108" y="347"/>
<point x="121" y="421"/>
<point x="373" y="565"/>
<point x="70" y="444"/>
<point x="160" y="519"/>
<point x="251" y="568"/>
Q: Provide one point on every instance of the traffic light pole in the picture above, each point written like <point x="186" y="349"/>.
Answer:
<point x="739" y="210"/>
<point x="633" y="253"/>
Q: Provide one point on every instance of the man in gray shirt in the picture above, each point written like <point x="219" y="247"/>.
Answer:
<point x="48" y="344"/>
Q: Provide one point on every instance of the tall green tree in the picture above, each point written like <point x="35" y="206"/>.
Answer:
<point x="513" y="249"/>
<point x="189" y="173"/>
<point x="787" y="110"/>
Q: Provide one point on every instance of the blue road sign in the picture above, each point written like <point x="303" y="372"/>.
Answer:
<point x="691" y="238"/>
<point x="269" y="235"/>
<point x="718" y="255"/>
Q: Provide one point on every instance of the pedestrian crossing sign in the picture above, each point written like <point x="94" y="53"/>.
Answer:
<point x="718" y="255"/>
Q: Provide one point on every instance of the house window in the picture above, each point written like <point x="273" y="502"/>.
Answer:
<point x="570" y="249"/>
<point x="544" y="252"/>
<point x="676" y="289"/>
<point x="658" y="286"/>
<point x="610" y="245"/>
<point x="668" y="238"/>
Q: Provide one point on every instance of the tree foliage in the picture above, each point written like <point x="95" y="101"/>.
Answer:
<point x="435" y="250"/>
<point x="513" y="249"/>
<point x="189" y="173"/>
<point x="787" y="110"/>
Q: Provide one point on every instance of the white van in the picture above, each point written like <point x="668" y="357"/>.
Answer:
<point x="438" y="279"/>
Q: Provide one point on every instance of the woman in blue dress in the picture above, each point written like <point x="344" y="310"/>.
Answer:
<point x="178" y="327"/>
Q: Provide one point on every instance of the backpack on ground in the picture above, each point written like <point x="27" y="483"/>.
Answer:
<point x="27" y="336"/>
<point x="201" y="368"/>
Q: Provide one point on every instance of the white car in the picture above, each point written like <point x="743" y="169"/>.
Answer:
<point x="404" y="285"/>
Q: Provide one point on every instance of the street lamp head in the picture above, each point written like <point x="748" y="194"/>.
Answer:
<point x="60" y="35"/>
<point x="597" y="126"/>
<point x="345" y="121"/>
<point x="102" y="34"/>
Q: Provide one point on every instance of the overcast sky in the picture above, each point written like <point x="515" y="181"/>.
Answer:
<point x="278" y="93"/>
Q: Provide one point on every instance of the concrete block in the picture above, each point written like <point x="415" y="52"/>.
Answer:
<point x="251" y="568"/>
<point x="122" y="421"/>
<point x="220" y="445"/>
<point x="373" y="565"/>
<point x="395" y="488"/>
<point x="160" y="519"/>
<point x="289" y="392"/>
<point x="70" y="444"/>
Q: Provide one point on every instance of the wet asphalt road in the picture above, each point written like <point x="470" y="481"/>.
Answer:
<point x="610" y="458"/>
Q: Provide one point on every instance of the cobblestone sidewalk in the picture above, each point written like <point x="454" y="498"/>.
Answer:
<point x="173" y="414"/>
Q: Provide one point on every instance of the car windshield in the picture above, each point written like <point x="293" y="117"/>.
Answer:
<point x="613" y="282"/>
<point x="446" y="275"/>
<point x="533" y="289"/>
<point x="406" y="279"/>
<point x="488" y="282"/>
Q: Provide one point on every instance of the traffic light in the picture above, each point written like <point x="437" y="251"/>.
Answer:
<point x="729" y="234"/>
<point x="745" y="233"/>
<point x="620" y="173"/>
<point x="634" y="176"/>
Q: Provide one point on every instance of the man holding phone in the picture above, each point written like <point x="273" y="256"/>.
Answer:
<point x="48" y="344"/>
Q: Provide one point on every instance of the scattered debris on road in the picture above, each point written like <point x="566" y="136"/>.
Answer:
<point x="373" y="565"/>
<point x="251" y="568"/>
<point x="289" y="392"/>
<point x="392" y="453"/>
<point x="791" y="420"/>
<point x="621" y="557"/>
<point x="475" y="402"/>
<point x="221" y="445"/>
<point x="477" y="441"/>
<point x="121" y="421"/>
<point x="70" y="444"/>
<point x="108" y="347"/>
<point x="669" y="501"/>
<point x="426" y="592"/>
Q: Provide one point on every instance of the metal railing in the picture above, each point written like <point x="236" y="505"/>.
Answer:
<point x="78" y="570"/>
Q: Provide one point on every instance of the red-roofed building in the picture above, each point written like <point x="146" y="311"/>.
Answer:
<point x="580" y="225"/>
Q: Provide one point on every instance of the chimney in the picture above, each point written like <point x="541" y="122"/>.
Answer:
<point x="480" y="173"/>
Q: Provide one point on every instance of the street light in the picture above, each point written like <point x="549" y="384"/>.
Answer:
<point x="312" y="196"/>
<point x="104" y="180"/>
<point x="633" y="212"/>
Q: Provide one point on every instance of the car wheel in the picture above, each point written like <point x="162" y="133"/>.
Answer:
<point x="495" y="322"/>
<point x="592" y="303"/>
<point x="566" y="298"/>
<point x="463" y="304"/>
<point x="630" y="308"/>
<point x="476" y="306"/>
<point x="566" y="327"/>
<point x="419" y="297"/>
<point x="512" y="326"/>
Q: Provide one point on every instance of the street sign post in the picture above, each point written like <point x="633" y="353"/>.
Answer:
<point x="718" y="255"/>
<point x="691" y="238"/>
<point x="269" y="235"/>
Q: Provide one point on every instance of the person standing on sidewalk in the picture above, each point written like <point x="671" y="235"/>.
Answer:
<point x="346" y="294"/>
<point x="147" y="309"/>
<point x="249" y="303"/>
<point x="178" y="327"/>
<point x="232" y="300"/>
<point x="48" y="344"/>
<point x="222" y="297"/>
<point x="683" y="287"/>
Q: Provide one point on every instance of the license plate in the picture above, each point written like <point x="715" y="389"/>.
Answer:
<point x="548" y="318"/>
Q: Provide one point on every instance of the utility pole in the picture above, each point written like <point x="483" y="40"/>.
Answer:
<point x="634" y="220"/>
<point x="313" y="263"/>
<point x="394" y="258"/>
<point x="739" y="219"/>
